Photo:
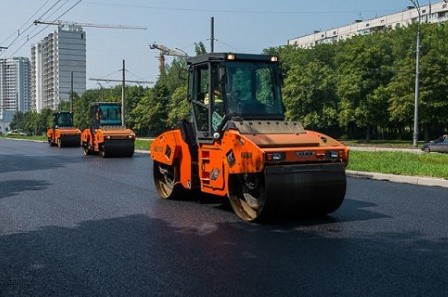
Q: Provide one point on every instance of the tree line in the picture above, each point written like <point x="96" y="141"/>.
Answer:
<point x="359" y="88"/>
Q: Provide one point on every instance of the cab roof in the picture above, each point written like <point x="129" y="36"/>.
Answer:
<point x="227" y="57"/>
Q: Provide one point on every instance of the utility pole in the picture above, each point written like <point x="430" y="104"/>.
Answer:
<point x="71" y="92"/>
<point x="417" y="72"/>
<point x="123" y="92"/>
<point x="212" y="35"/>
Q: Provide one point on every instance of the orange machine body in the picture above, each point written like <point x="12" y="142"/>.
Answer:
<point x="237" y="153"/>
<point x="63" y="133"/>
<point x="107" y="136"/>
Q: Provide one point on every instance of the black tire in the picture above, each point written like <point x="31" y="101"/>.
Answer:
<point x="426" y="149"/>
<point x="85" y="149"/>
<point x="166" y="178"/>
<point x="247" y="196"/>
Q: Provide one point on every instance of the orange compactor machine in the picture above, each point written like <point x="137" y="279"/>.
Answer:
<point x="238" y="145"/>
<point x="63" y="133"/>
<point x="107" y="136"/>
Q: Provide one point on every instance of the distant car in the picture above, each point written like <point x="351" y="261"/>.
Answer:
<point x="17" y="132"/>
<point x="439" y="145"/>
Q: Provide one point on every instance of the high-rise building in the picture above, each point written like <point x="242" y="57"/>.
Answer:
<point x="58" y="63"/>
<point x="431" y="13"/>
<point x="14" y="87"/>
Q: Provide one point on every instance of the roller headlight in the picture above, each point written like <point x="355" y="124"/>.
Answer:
<point x="276" y="157"/>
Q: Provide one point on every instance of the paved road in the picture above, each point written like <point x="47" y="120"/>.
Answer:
<point x="85" y="226"/>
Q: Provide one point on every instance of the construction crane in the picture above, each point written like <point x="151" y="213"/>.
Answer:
<point x="166" y="51"/>
<point x="61" y="23"/>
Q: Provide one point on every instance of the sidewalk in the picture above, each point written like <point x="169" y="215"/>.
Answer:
<point x="385" y="149"/>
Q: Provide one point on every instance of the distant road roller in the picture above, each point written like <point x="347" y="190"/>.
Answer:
<point x="63" y="133"/>
<point x="106" y="135"/>
<point x="238" y="144"/>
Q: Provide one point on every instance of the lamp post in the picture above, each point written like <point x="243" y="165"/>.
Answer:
<point x="417" y="72"/>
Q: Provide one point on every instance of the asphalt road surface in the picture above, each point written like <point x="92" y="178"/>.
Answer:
<point x="84" y="226"/>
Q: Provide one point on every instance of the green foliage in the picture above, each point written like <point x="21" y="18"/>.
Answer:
<point x="199" y="48"/>
<point x="366" y="84"/>
<point x="178" y="107"/>
<point x="33" y="123"/>
<point x="309" y="95"/>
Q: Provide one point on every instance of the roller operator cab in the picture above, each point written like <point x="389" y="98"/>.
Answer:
<point x="63" y="133"/>
<point x="106" y="135"/>
<point x="238" y="144"/>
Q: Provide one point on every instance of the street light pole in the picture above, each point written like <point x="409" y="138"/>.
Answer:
<point x="417" y="73"/>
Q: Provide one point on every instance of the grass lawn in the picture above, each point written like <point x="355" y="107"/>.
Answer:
<point x="401" y="163"/>
<point x="41" y="137"/>
<point x="142" y="144"/>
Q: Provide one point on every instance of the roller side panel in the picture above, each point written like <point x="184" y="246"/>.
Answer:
<point x="169" y="148"/>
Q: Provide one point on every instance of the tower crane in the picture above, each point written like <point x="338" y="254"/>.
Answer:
<point x="107" y="26"/>
<point x="166" y="51"/>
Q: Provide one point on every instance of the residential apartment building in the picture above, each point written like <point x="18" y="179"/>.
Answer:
<point x="431" y="13"/>
<point x="58" y="62"/>
<point x="14" y="88"/>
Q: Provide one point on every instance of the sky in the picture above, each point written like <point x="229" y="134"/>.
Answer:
<point x="245" y="26"/>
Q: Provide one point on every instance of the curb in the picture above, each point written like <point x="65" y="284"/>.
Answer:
<point x="415" y="180"/>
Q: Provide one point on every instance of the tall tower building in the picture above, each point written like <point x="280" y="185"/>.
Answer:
<point x="58" y="62"/>
<point x="14" y="87"/>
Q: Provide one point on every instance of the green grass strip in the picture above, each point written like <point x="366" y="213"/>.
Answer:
<point x="401" y="163"/>
<point x="142" y="144"/>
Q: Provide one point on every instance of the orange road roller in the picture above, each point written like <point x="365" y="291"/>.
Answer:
<point x="238" y="145"/>
<point x="107" y="136"/>
<point x="63" y="133"/>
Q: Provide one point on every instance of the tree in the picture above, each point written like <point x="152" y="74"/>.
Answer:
<point x="433" y="97"/>
<point x="362" y="66"/>
<point x="178" y="107"/>
<point x="199" y="48"/>
<point x="309" y="95"/>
